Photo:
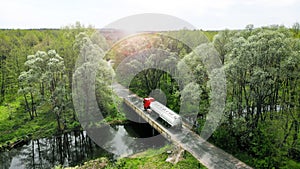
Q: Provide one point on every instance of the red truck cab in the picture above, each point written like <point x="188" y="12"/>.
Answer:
<point x="147" y="101"/>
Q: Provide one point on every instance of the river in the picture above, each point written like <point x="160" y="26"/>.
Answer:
<point x="71" y="149"/>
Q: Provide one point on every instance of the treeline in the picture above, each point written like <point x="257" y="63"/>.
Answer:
<point x="262" y="108"/>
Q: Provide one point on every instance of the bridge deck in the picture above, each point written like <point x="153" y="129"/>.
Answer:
<point x="206" y="153"/>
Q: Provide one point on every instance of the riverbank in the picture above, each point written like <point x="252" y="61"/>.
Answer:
<point x="150" y="159"/>
<point x="16" y="127"/>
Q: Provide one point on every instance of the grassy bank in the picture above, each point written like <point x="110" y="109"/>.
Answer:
<point x="15" y="123"/>
<point x="150" y="159"/>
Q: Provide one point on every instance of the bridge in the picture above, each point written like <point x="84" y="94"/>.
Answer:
<point x="206" y="153"/>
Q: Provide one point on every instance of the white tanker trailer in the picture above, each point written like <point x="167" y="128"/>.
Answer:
<point x="163" y="112"/>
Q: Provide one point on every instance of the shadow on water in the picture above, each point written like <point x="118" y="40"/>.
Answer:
<point x="140" y="130"/>
<point x="71" y="149"/>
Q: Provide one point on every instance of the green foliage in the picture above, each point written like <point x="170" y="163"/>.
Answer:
<point x="151" y="158"/>
<point x="98" y="163"/>
<point x="291" y="164"/>
<point x="262" y="120"/>
<point x="18" y="126"/>
<point x="262" y="112"/>
<point x="165" y="83"/>
<point x="44" y="81"/>
<point x="92" y="62"/>
<point x="156" y="161"/>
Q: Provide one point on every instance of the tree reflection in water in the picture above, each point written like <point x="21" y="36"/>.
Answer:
<point x="73" y="148"/>
<point x="68" y="149"/>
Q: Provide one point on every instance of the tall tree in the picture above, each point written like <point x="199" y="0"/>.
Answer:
<point x="220" y="42"/>
<point x="44" y="81"/>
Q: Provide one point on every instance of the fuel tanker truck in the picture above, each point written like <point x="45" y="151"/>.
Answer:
<point x="166" y="114"/>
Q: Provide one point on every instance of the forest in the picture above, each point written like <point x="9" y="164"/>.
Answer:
<point x="261" y="120"/>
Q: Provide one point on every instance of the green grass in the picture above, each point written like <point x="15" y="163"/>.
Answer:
<point x="152" y="152"/>
<point x="15" y="123"/>
<point x="3" y="113"/>
<point x="6" y="110"/>
<point x="150" y="159"/>
<point x="156" y="161"/>
<point x="291" y="164"/>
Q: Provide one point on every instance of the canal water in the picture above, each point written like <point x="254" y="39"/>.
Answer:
<point x="71" y="149"/>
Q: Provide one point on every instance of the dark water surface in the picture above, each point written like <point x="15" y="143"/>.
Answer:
<point x="74" y="148"/>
